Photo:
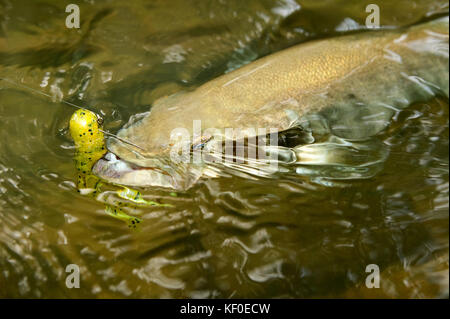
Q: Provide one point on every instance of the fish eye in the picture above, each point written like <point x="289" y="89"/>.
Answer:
<point x="99" y="121"/>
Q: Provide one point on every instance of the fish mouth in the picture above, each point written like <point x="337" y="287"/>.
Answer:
<point x="115" y="170"/>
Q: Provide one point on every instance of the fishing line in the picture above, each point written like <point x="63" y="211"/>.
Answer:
<point x="74" y="105"/>
<point x="121" y="139"/>
<point x="39" y="92"/>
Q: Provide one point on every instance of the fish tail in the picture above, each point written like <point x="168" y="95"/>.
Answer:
<point x="136" y="197"/>
<point x="131" y="221"/>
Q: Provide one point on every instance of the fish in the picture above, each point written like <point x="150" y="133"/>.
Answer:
<point x="356" y="82"/>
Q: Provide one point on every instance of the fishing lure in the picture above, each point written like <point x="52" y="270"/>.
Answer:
<point x="88" y="136"/>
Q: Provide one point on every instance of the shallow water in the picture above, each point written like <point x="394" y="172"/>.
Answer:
<point x="292" y="235"/>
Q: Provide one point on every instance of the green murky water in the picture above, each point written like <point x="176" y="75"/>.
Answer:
<point x="232" y="236"/>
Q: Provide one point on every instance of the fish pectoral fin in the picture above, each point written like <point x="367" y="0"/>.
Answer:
<point x="136" y="197"/>
<point x="131" y="221"/>
<point x="295" y="136"/>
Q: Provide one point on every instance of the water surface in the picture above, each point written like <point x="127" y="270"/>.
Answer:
<point x="292" y="235"/>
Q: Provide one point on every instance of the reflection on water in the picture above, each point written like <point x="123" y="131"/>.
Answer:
<point x="289" y="236"/>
